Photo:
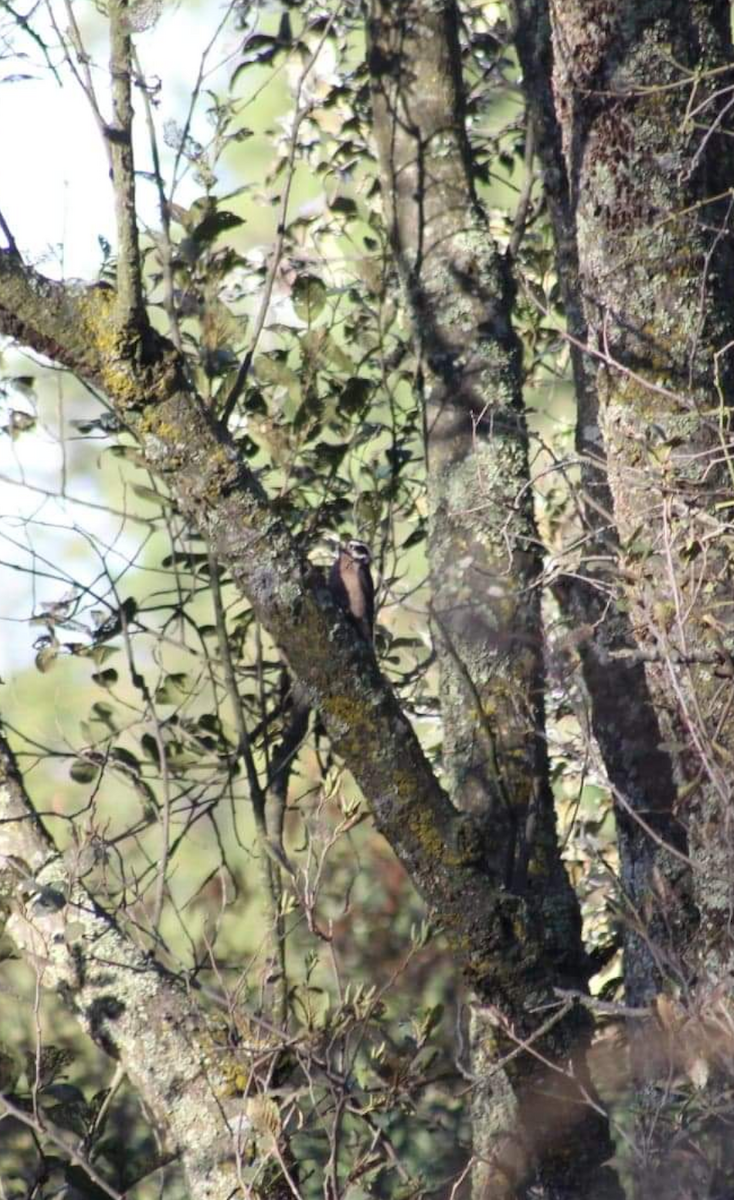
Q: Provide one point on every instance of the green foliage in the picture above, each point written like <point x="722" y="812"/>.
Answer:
<point x="173" y="705"/>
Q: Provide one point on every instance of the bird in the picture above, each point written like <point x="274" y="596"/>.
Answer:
<point x="350" y="583"/>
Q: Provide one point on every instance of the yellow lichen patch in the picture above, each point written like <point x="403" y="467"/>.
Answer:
<point x="98" y="316"/>
<point x="237" y="1077"/>
<point x="405" y="785"/>
<point x="423" y="828"/>
<point x="152" y="423"/>
<point x="351" y="715"/>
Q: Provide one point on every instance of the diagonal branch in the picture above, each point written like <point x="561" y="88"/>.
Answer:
<point x="223" y="499"/>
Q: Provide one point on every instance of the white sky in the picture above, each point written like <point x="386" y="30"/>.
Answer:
<point x="55" y="190"/>
<point x="56" y="197"/>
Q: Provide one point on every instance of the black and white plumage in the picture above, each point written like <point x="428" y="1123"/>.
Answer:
<point x="350" y="581"/>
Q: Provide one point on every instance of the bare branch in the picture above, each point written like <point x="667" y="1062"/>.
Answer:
<point x="130" y="304"/>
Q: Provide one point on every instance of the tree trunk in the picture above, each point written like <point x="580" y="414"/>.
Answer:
<point x="642" y="96"/>
<point x="623" y="717"/>
<point x="485" y="564"/>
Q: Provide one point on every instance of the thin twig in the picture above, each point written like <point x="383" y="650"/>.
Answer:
<point x="164" y="212"/>
<point x="604" y="356"/>
<point x="620" y="798"/>
<point x="164" y="809"/>
<point x="300" y="114"/>
<point x="602" y="1007"/>
<point x="523" y="206"/>
<point x="28" y="29"/>
<point x="104" y="1108"/>
<point x="44" y="1129"/>
<point x="12" y="244"/>
<point x="272" y="854"/>
<point x="83" y="76"/>
<point x="130" y="301"/>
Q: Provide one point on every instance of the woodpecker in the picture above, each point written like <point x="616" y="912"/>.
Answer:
<point x="351" y="585"/>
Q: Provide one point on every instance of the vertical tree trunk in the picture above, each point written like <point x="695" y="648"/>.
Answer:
<point x="623" y="716"/>
<point x="642" y="95"/>
<point x="485" y="564"/>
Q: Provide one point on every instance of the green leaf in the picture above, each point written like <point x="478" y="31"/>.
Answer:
<point x="53" y="1060"/>
<point x="309" y="297"/>
<point x="100" y="654"/>
<point x="355" y="394"/>
<point x="106" y="678"/>
<point x="429" y="1021"/>
<point x="125" y="758"/>
<point x="173" y="689"/>
<point x="150" y="748"/>
<point x="215" y="223"/>
<point x="414" y="539"/>
<point x="23" y="383"/>
<point x="318" y="346"/>
<point x="104" y="713"/>
<point x="146" y="493"/>
<point x="344" y="204"/>
<point x="83" y="771"/>
<point x="270" y="368"/>
<point x="260" y="48"/>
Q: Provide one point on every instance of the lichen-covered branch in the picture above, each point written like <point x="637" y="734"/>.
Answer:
<point x="483" y="545"/>
<point x="223" y="499"/>
<point x="131" y="1007"/>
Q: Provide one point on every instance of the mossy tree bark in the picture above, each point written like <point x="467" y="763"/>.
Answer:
<point x="591" y="596"/>
<point x="641" y="96"/>
<point x="655" y="260"/>
<point x="485" y="608"/>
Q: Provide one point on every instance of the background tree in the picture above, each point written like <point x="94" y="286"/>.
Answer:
<point x="323" y="903"/>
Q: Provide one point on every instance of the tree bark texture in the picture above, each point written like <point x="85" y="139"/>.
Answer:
<point x="641" y="99"/>
<point x="623" y="716"/>
<point x="485" y="607"/>
<point x="642" y="95"/>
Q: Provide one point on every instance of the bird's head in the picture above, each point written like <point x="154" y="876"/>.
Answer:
<point x="358" y="551"/>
